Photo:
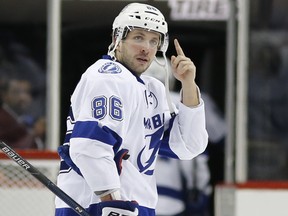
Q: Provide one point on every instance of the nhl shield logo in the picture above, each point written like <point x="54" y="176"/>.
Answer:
<point x="110" y="68"/>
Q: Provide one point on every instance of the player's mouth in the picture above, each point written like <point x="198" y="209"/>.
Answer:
<point x="142" y="60"/>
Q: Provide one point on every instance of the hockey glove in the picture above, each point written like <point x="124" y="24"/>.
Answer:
<point x="119" y="157"/>
<point x="118" y="208"/>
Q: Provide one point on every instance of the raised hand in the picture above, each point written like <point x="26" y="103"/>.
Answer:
<point x="183" y="68"/>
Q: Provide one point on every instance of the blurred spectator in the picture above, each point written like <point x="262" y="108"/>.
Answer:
<point x="268" y="96"/>
<point x="15" y="125"/>
<point x="184" y="186"/>
<point x="267" y="110"/>
<point x="22" y="119"/>
<point x="26" y="67"/>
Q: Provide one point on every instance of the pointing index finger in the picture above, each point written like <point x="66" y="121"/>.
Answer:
<point x="178" y="48"/>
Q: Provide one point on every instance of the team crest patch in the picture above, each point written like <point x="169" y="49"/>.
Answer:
<point x="110" y="68"/>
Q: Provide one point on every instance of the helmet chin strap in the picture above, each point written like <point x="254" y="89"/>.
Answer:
<point x="167" y="90"/>
<point x="112" y="48"/>
<point x="119" y="34"/>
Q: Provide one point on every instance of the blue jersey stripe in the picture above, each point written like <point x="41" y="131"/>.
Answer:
<point x="92" y="130"/>
<point x="165" y="149"/>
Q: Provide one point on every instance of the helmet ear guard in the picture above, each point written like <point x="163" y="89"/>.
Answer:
<point x="165" y="43"/>
<point x="117" y="35"/>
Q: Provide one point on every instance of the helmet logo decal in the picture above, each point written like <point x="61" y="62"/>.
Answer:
<point x="152" y="19"/>
<point x="151" y="8"/>
<point x="110" y="68"/>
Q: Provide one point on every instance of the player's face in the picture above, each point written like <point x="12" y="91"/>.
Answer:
<point x="18" y="95"/>
<point x="138" y="49"/>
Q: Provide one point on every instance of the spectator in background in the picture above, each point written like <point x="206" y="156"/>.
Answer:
<point x="268" y="97"/>
<point x="267" y="111"/>
<point x="26" y="67"/>
<point x="22" y="122"/>
<point x="184" y="186"/>
<point x="15" y="124"/>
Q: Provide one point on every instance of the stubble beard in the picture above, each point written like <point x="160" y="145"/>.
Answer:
<point x="133" y="65"/>
<point x="131" y="62"/>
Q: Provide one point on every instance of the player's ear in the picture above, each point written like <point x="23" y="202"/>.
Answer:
<point x="119" y="45"/>
<point x="118" y="51"/>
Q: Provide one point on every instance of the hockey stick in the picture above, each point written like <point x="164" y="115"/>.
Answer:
<point x="43" y="179"/>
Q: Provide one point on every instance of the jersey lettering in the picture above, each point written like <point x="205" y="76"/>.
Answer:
<point x="147" y="124"/>
<point x="156" y="121"/>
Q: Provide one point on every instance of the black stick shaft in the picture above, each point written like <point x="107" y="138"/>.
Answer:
<point x="43" y="179"/>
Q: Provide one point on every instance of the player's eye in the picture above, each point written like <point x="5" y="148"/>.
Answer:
<point x="138" y="38"/>
<point x="154" y="43"/>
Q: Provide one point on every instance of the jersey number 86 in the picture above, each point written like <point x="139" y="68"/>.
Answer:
<point x="101" y="106"/>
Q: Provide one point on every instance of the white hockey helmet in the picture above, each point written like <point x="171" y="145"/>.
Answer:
<point x="138" y="15"/>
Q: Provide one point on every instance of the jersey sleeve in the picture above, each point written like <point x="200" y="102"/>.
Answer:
<point x="186" y="136"/>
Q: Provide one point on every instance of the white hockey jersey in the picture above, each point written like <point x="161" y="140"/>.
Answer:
<point x="113" y="109"/>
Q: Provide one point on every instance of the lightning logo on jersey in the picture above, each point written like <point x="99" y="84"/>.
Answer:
<point x="110" y="68"/>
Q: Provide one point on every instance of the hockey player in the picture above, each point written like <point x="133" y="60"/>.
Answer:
<point x="120" y="120"/>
